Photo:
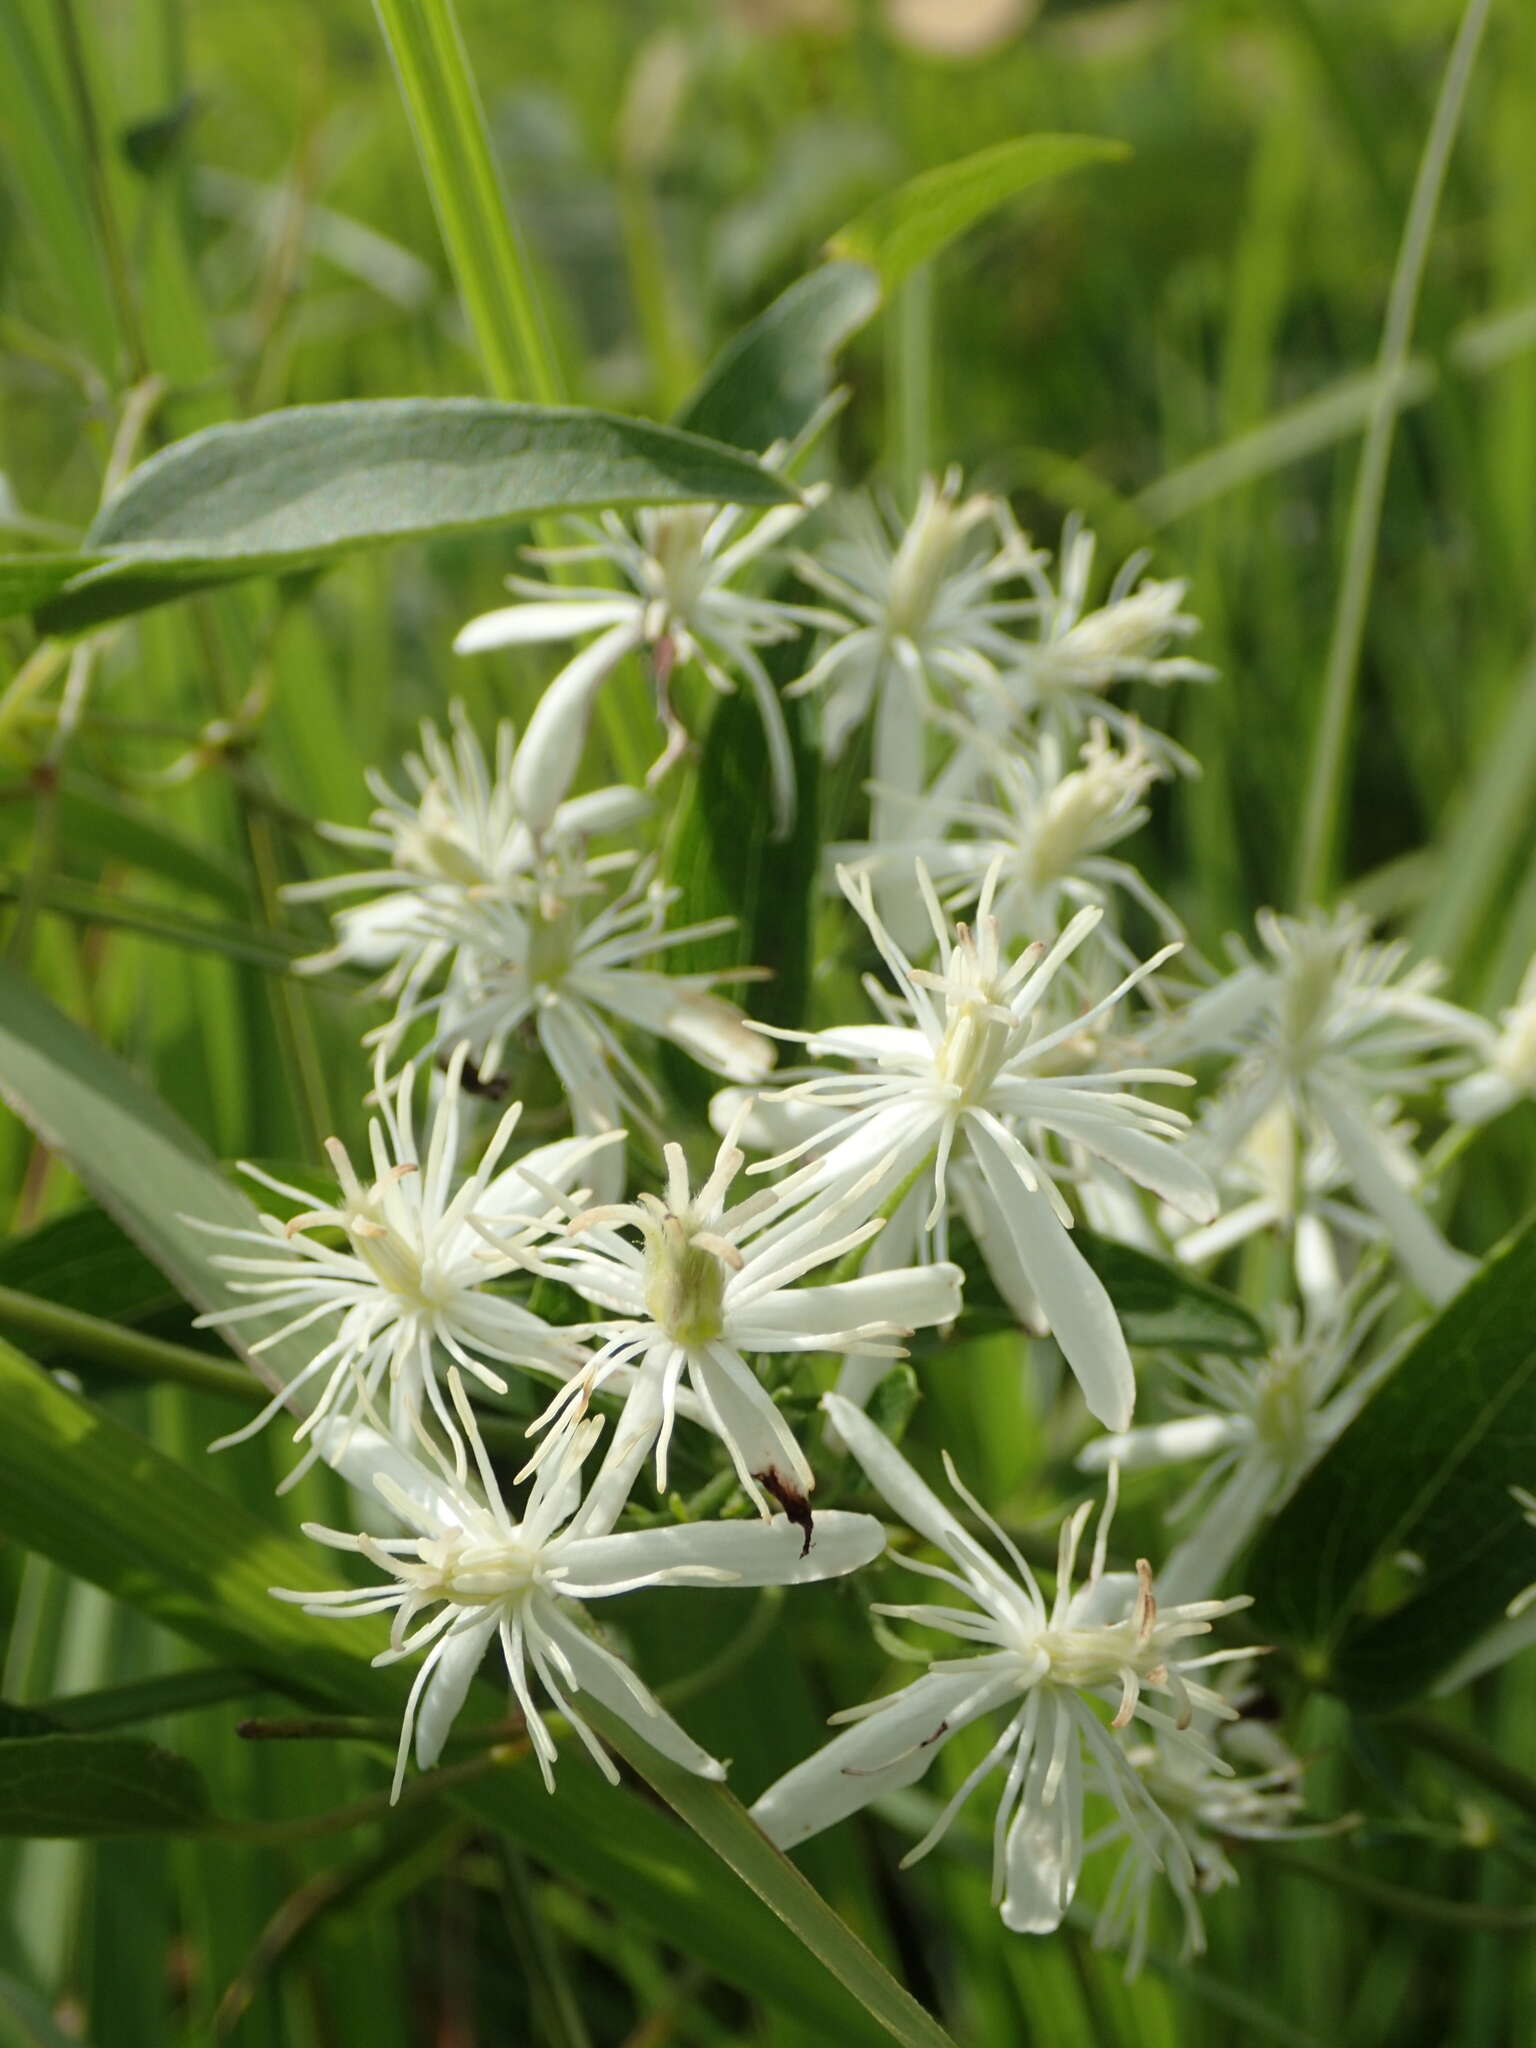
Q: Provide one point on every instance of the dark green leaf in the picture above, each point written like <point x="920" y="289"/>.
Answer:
<point x="920" y="218"/>
<point x="84" y="1259"/>
<point x="26" y="581"/>
<point x="723" y="856"/>
<point x="97" y="1785"/>
<point x="766" y="383"/>
<point x="296" y="488"/>
<point x="1425" y="1469"/>
<point x="19" y="1724"/>
<point x="152" y="143"/>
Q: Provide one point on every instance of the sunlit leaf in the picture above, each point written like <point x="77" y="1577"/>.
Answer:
<point x="920" y="218"/>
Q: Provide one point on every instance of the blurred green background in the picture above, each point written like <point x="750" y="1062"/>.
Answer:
<point x="1180" y="346"/>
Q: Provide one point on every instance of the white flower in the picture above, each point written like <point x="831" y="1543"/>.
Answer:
<point x="682" y="608"/>
<point x="708" y="1283"/>
<point x="1082" y="651"/>
<point x="471" y="1572"/>
<point x="1329" y="1025"/>
<point x="1508" y="1070"/>
<point x="1288" y="1185"/>
<point x="927" y="620"/>
<point x="459" y="835"/>
<point x="1050" y="1667"/>
<point x="566" y="964"/>
<point x="1198" y="1793"/>
<point x="1258" y="1425"/>
<point x="1050" y="829"/>
<point x="970" y="1086"/>
<point x="411" y="1280"/>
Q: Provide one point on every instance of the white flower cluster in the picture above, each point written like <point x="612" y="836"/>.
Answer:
<point x="1008" y="1077"/>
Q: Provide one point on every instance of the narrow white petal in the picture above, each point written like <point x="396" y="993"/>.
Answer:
<point x="1435" y="1266"/>
<point x="549" y="753"/>
<point x="600" y="1674"/>
<point x="448" y="1688"/>
<point x="880" y="1753"/>
<point x="754" y="1553"/>
<point x="914" y="1298"/>
<point x="1161" y="1443"/>
<point x="1044" y="1850"/>
<point x="523" y="625"/>
<point x="1072" y="1297"/>
<point x="912" y="1498"/>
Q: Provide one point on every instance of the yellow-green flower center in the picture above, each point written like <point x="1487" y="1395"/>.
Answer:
<point x="684" y="1284"/>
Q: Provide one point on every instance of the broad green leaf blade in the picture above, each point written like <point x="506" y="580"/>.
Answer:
<point x="107" y="1507"/>
<point x="27" y="581"/>
<point x="1426" y="1468"/>
<point x="84" y="1259"/>
<point x="1159" y="1303"/>
<point x="145" y="1167"/>
<point x="69" y="1785"/>
<point x="293" y="489"/>
<point x="920" y="218"/>
<point x="767" y="382"/>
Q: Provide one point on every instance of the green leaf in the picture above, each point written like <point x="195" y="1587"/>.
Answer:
<point x="99" y="820"/>
<point x="71" y="1785"/>
<point x="107" y="1507"/>
<point x="1159" y="1303"/>
<point x="765" y="384"/>
<point x="922" y="217"/>
<point x="722" y="854"/>
<point x="297" y="488"/>
<point x="27" y="581"/>
<point x="1425" y="1469"/>
<point x="83" y="1258"/>
<point x="259" y="946"/>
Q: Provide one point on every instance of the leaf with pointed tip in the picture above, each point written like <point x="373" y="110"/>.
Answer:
<point x="55" y="1785"/>
<point x="920" y="218"/>
<point x="291" y="490"/>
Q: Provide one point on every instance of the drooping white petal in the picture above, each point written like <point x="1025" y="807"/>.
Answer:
<point x="1043" y="1851"/>
<point x="894" y="1479"/>
<point x="913" y="1298"/>
<point x="1072" y="1297"/>
<point x="448" y="1687"/>
<point x="549" y="752"/>
<point x="880" y="1753"/>
<point x="1435" y="1266"/>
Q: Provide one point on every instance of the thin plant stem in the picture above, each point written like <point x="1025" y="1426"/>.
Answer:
<point x="1400" y="1899"/>
<point x="1456" y="1745"/>
<point x="1315" y="853"/>
<point x="909" y="382"/>
<point x="95" y="1341"/>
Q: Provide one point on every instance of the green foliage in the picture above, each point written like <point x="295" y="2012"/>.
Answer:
<point x="72" y="1785"/>
<point x="1423" y="1474"/>
<point x="295" y="489"/>
<point x="906" y="227"/>
<point x="767" y="382"/>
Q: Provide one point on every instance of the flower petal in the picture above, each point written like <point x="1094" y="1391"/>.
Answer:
<point x="880" y="1753"/>
<point x="549" y="753"/>
<point x="523" y="625"/>
<point x="754" y="1553"/>
<point x="606" y="1679"/>
<point x="448" y="1687"/>
<point x="912" y="1298"/>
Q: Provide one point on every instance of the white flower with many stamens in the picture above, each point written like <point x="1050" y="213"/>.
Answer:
<point x="928" y="623"/>
<point x="567" y="966"/>
<point x="682" y="608"/>
<point x="458" y="835"/>
<point x="1328" y="1025"/>
<point x="1082" y="650"/>
<point x="708" y="1283"/>
<point x="470" y="1572"/>
<point x="1209" y="1805"/>
<point x="1052" y="1668"/>
<point x="971" y="1085"/>
<point x="409" y="1281"/>
<point x="1257" y="1425"/>
<point x="1507" y="1073"/>
<point x="1051" y="829"/>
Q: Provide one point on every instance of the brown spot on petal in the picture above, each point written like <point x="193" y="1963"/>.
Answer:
<point x="792" y="1501"/>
